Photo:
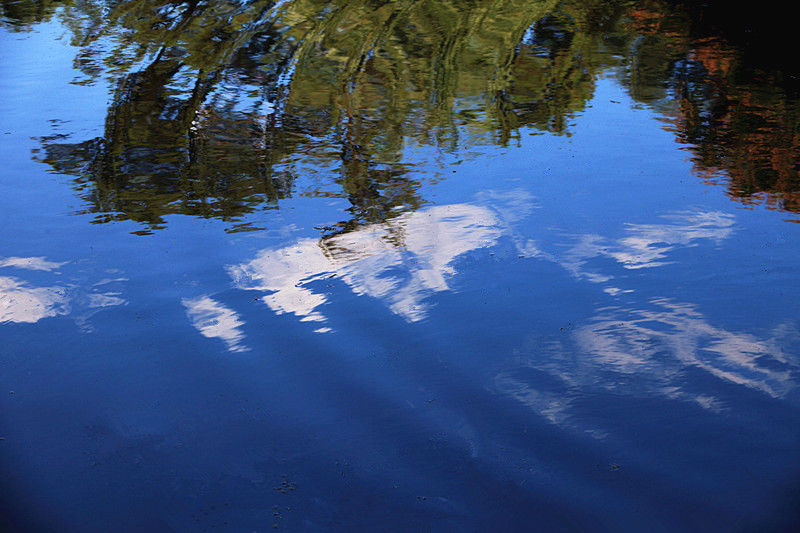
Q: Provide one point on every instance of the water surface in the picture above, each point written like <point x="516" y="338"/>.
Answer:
<point x="407" y="266"/>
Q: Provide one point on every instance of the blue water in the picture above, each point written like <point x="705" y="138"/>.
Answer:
<point x="573" y="333"/>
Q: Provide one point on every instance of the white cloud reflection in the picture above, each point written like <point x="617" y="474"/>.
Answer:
<point x="641" y="352"/>
<point x="399" y="262"/>
<point x="648" y="244"/>
<point x="213" y="320"/>
<point x="646" y="350"/>
<point x="635" y="341"/>
<point x="406" y="259"/>
<point x="21" y="301"/>
<point x="402" y="262"/>
<point x="30" y="263"/>
<point x="642" y="245"/>
<point x="637" y="351"/>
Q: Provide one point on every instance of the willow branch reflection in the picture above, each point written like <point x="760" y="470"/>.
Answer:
<point x="215" y="103"/>
<point x="213" y="106"/>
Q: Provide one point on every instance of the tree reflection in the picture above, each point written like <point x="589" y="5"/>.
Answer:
<point x="18" y="14"/>
<point x="218" y="107"/>
<point x="738" y="120"/>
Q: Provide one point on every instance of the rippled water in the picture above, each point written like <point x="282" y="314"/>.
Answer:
<point x="411" y="266"/>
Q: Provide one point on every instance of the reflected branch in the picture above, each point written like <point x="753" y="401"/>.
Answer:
<point x="218" y="109"/>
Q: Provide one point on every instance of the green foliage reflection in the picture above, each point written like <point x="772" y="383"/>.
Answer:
<point x="219" y="106"/>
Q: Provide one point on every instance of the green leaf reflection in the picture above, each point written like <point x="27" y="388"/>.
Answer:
<point x="218" y="107"/>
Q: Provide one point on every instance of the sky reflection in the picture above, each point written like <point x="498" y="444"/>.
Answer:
<point x="485" y="210"/>
<point x="637" y="340"/>
<point x="213" y="320"/>
<point x="400" y="261"/>
<point x="646" y="352"/>
<point x="405" y="261"/>
<point x="641" y="246"/>
<point x="22" y="301"/>
<point x="649" y="348"/>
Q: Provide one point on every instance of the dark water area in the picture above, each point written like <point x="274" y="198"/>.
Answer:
<point x="412" y="266"/>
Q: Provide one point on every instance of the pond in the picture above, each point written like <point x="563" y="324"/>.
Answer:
<point x="425" y="265"/>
